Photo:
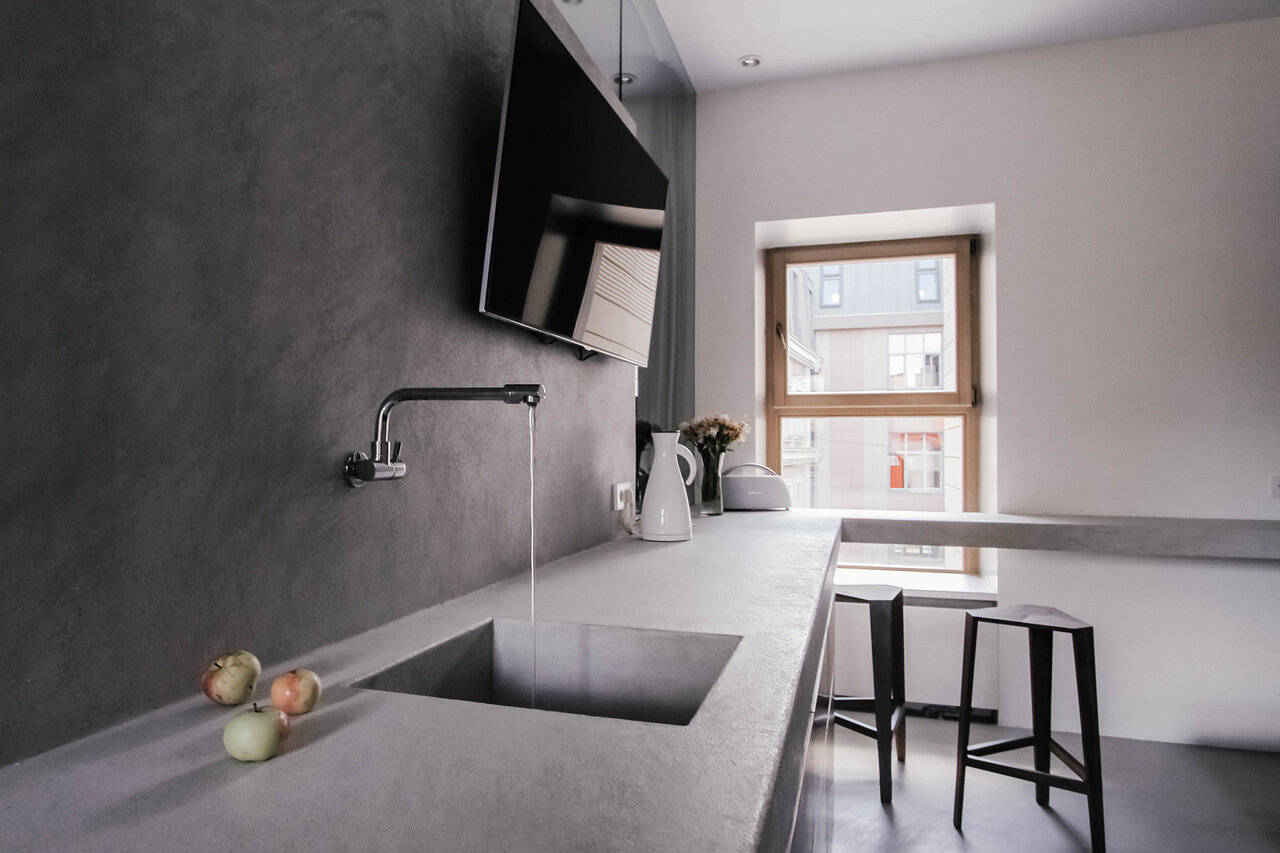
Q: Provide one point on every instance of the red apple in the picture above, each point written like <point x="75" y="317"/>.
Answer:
<point x="230" y="679"/>
<point x="296" y="692"/>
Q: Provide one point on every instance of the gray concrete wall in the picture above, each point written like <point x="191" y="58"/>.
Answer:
<point x="229" y="229"/>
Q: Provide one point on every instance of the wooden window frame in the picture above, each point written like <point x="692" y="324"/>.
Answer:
<point x="962" y="402"/>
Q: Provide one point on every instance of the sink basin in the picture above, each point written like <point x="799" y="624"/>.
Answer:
<point x="597" y="670"/>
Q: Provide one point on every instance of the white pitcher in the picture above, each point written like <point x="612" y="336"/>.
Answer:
<point x="664" y="517"/>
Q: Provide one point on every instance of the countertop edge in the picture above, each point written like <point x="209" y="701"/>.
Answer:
<point x="1136" y="536"/>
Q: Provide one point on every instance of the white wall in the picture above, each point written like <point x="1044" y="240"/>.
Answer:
<point x="1137" y="192"/>
<point x="933" y="658"/>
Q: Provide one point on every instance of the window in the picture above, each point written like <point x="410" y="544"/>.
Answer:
<point x="932" y="552"/>
<point x="915" y="360"/>
<point x="831" y="286"/>
<point x="872" y="406"/>
<point x="869" y="462"/>
<point x="858" y="327"/>
<point x="927" y="281"/>
<point x="915" y="461"/>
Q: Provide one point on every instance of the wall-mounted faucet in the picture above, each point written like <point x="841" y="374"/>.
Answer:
<point x="385" y="464"/>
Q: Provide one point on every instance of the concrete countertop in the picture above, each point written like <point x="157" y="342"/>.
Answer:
<point x="1139" y="536"/>
<point x="376" y="770"/>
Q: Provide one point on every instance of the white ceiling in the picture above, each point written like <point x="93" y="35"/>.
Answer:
<point x="800" y="38"/>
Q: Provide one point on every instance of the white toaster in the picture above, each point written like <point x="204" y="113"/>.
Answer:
<point x="754" y="491"/>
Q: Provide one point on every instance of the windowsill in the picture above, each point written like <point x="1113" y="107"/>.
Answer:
<point x="921" y="585"/>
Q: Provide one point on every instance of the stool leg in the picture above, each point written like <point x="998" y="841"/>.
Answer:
<point x="1087" y="691"/>
<point x="882" y="679"/>
<point x="899" y="679"/>
<point x="966" y="711"/>
<point x="1041" y="641"/>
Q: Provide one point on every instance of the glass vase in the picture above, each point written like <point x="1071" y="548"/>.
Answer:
<point x="712" y="502"/>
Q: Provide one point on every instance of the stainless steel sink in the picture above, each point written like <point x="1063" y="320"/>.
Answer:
<point x="597" y="670"/>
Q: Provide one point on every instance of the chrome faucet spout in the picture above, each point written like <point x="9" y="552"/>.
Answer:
<point x="385" y="463"/>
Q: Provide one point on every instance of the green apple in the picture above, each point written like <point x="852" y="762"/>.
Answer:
<point x="230" y="679"/>
<point x="255" y="735"/>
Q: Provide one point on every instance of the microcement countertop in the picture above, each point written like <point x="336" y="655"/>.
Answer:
<point x="372" y="770"/>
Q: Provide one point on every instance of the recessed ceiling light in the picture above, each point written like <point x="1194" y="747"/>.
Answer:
<point x="571" y="2"/>
<point x="624" y="78"/>
<point x="749" y="61"/>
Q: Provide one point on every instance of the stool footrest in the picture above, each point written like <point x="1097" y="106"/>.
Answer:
<point x="1065" y="782"/>
<point x="854" y="725"/>
<point x="853" y="703"/>
<point x="994" y="746"/>
<point x="899" y="712"/>
<point x="1073" y="763"/>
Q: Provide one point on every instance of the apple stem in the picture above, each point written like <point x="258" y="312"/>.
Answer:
<point x="218" y="665"/>
<point x="255" y="707"/>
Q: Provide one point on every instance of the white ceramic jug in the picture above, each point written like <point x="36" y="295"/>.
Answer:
<point x="664" y="517"/>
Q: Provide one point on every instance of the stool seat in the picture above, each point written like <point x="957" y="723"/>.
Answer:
<point x="1030" y="616"/>
<point x="867" y="593"/>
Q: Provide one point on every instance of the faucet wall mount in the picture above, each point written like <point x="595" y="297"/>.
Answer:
<point x="385" y="463"/>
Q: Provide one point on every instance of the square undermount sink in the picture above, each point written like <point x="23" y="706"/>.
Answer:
<point x="598" y="670"/>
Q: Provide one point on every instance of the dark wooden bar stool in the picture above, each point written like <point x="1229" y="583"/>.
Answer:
<point x="1040" y="623"/>
<point x="888" y="677"/>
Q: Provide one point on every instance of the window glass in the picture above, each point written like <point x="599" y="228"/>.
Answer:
<point x="859" y="462"/>
<point x="852" y="320"/>
<point x="864" y="462"/>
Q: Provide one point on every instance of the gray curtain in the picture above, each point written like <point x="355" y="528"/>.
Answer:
<point x="667" y="127"/>
<point x="631" y="36"/>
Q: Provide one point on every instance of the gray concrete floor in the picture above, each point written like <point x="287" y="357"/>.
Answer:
<point x="1158" y="797"/>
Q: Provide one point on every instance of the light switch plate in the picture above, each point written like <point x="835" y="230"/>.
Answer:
<point x="1275" y="486"/>
<point x="619" y="493"/>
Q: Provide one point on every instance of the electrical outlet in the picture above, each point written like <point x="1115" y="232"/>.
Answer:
<point x="620" y="492"/>
<point x="1275" y="486"/>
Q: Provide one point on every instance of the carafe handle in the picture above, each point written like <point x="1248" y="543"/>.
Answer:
<point x="681" y="450"/>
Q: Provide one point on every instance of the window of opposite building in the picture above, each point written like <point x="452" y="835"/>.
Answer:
<point x="928" y="282"/>
<point x="915" y="461"/>
<point x="915" y="360"/>
<point x="832" y="282"/>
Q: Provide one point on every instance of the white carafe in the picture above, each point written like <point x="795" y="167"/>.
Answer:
<point x="664" y="516"/>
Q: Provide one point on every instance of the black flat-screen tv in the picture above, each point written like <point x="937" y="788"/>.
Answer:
<point x="576" y="219"/>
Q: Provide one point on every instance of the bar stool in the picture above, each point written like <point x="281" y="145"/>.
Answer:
<point x="888" y="676"/>
<point x="1040" y="623"/>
